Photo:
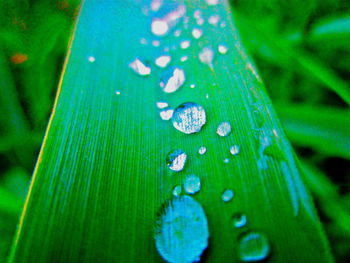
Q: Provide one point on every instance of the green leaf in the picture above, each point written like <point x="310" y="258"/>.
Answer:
<point x="102" y="177"/>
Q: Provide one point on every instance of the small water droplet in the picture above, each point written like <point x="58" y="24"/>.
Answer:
<point x="156" y="5"/>
<point x="227" y="195"/>
<point x="234" y="150"/>
<point x="177" y="33"/>
<point x="177" y="190"/>
<point x="192" y="184"/>
<point x="212" y="2"/>
<point x="139" y="67"/>
<point x="222" y="48"/>
<point x="226" y="160"/>
<point x="207" y="96"/>
<point x="143" y="41"/>
<point x="166" y="113"/>
<point x="223" y="24"/>
<point x="189" y="117"/>
<point x="224" y="129"/>
<point x="181" y="232"/>
<point x="192" y="86"/>
<point x="253" y="246"/>
<point x="117" y="92"/>
<point x="206" y="56"/>
<point x="163" y="61"/>
<point x="91" y="59"/>
<point x="202" y="150"/>
<point x="214" y="20"/>
<point x="155" y="43"/>
<point x="239" y="220"/>
<point x="183" y="58"/>
<point x="176" y="160"/>
<point x="162" y="105"/>
<point x="159" y="27"/>
<point x="197" y="33"/>
<point x="185" y="44"/>
<point x="173" y="80"/>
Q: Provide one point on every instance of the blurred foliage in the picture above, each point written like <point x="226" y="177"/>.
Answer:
<point x="300" y="47"/>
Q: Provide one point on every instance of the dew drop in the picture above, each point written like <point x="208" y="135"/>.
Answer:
<point x="139" y="67"/>
<point x="202" y="150"/>
<point x="234" y="150"/>
<point x="91" y="59"/>
<point x="162" y="105"/>
<point x="197" y="33"/>
<point x="163" y="61"/>
<point x="226" y="160"/>
<point x="166" y="113"/>
<point x="189" y="117"/>
<point x="143" y="41"/>
<point x="253" y="246"/>
<point x="176" y="160"/>
<point x="156" y="5"/>
<point x="177" y="33"/>
<point x="192" y="184"/>
<point x="227" y="195"/>
<point x="117" y="92"/>
<point x="185" y="44"/>
<point x="173" y="80"/>
<point x="222" y="49"/>
<point x="224" y="129"/>
<point x="192" y="86"/>
<point x="212" y="2"/>
<point x="183" y="58"/>
<point x="206" y="56"/>
<point x="181" y="232"/>
<point x="214" y="20"/>
<point x="177" y="190"/>
<point x="155" y="43"/>
<point x="159" y="27"/>
<point x="239" y="220"/>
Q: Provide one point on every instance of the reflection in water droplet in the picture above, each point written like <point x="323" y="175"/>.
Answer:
<point x="239" y="220"/>
<point x="189" y="117"/>
<point x="177" y="190"/>
<point x="163" y="61"/>
<point x="253" y="246"/>
<point x="166" y="113"/>
<point x="227" y="195"/>
<point x="222" y="49"/>
<point x="139" y="67"/>
<point x="206" y="56"/>
<point x="185" y="44"/>
<point x="234" y="150"/>
<point x="224" y="129"/>
<point x="176" y="160"/>
<point x="202" y="150"/>
<point x="182" y="232"/>
<point x="173" y="80"/>
<point x="192" y="184"/>
<point x="197" y="33"/>
<point x="159" y="27"/>
<point x="162" y="105"/>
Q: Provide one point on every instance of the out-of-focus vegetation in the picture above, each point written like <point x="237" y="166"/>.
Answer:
<point x="302" y="51"/>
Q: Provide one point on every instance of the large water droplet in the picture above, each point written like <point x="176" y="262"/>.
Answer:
<point x="182" y="232"/>
<point x="224" y="129"/>
<point x="253" y="246"/>
<point x="163" y="61"/>
<point x="177" y="190"/>
<point x="159" y="27"/>
<point x="206" y="56"/>
<point x="166" y="113"/>
<point x="239" y="220"/>
<point x="139" y="67"/>
<point x="176" y="160"/>
<point x="192" y="184"/>
<point x="173" y="79"/>
<point x="189" y="117"/>
<point x="227" y="195"/>
<point x="234" y="150"/>
<point x="202" y="150"/>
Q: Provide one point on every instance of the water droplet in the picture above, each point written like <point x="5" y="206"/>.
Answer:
<point x="212" y="2"/>
<point x="227" y="195"/>
<point x="182" y="232"/>
<point x="207" y="96"/>
<point x="143" y="41"/>
<point x="176" y="160"/>
<point x="222" y="49"/>
<point x="156" y="5"/>
<point x="177" y="33"/>
<point x="183" y="58"/>
<point x="197" y="33"/>
<point x="200" y="21"/>
<point x="166" y="113"/>
<point x="159" y="27"/>
<point x="224" y="129"/>
<point x="226" y="160"/>
<point x="253" y="246"/>
<point x="239" y="220"/>
<point x="91" y="59"/>
<point x="139" y="67"/>
<point x="163" y="61"/>
<point x="192" y="86"/>
<point x="177" y="190"/>
<point x="162" y="105"/>
<point x="202" y="150"/>
<point x="192" y="184"/>
<point x="214" y="20"/>
<point x="206" y="56"/>
<point x="155" y="43"/>
<point x="173" y="80"/>
<point x="189" y="117"/>
<point x="223" y="24"/>
<point x="234" y="150"/>
<point x="117" y="92"/>
<point x="185" y="44"/>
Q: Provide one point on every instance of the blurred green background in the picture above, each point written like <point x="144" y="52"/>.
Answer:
<point x="302" y="50"/>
